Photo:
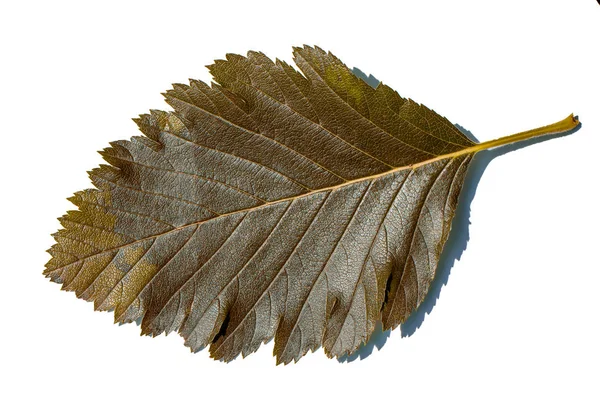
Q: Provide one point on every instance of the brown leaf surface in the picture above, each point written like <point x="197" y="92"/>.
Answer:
<point x="275" y="203"/>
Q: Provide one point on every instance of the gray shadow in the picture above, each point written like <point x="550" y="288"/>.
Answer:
<point x="371" y="80"/>
<point x="457" y="239"/>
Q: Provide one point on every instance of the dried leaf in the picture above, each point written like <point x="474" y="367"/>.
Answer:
<point x="300" y="205"/>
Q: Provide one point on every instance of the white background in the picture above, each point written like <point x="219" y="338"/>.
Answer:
<point x="519" y="315"/>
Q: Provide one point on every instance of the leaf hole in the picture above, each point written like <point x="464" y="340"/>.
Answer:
<point x="223" y="329"/>
<point x="388" y="286"/>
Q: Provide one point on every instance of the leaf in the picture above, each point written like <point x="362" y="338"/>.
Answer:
<point x="303" y="206"/>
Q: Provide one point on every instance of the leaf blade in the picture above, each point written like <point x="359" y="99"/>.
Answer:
<point x="270" y="205"/>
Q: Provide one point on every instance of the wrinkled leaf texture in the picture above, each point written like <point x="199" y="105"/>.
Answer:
<point x="303" y="206"/>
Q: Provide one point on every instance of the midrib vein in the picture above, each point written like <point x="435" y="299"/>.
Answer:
<point x="559" y="127"/>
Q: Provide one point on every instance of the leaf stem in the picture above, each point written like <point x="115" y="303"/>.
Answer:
<point x="565" y="125"/>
